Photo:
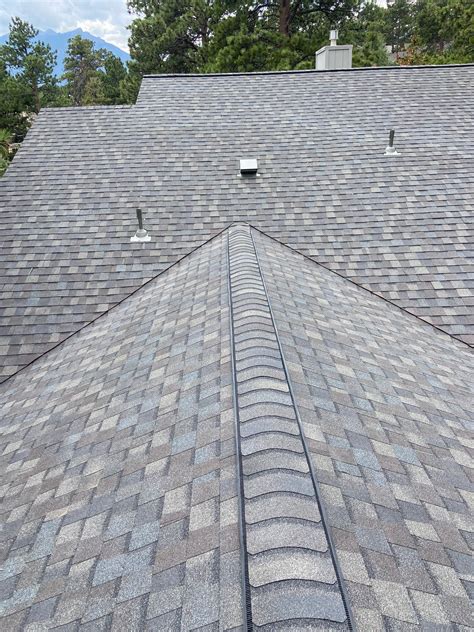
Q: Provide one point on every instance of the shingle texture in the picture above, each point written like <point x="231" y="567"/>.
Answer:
<point x="387" y="406"/>
<point x="252" y="440"/>
<point x="247" y="395"/>
<point x="291" y="575"/>
<point x="400" y="226"/>
<point x="118" y="470"/>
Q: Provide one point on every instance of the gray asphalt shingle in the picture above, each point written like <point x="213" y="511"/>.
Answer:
<point x="247" y="393"/>
<point x="397" y="535"/>
<point x="106" y="511"/>
<point x="401" y="226"/>
<point x="120" y="497"/>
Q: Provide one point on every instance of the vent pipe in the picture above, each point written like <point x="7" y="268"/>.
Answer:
<point x="142" y="233"/>
<point x="390" y="149"/>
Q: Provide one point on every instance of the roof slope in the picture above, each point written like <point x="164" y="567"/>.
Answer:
<point x="401" y="226"/>
<point x="248" y="420"/>
<point x="387" y="406"/>
<point x="118" y="467"/>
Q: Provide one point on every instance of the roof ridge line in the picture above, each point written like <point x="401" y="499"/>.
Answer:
<point x="366" y="289"/>
<point x="279" y="474"/>
<point x="122" y="300"/>
<point x="305" y="71"/>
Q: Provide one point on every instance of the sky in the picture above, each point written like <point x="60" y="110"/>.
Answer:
<point x="107" y="19"/>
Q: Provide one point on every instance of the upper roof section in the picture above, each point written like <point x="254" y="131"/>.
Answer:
<point x="401" y="226"/>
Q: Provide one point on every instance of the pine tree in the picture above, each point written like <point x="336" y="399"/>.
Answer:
<point x="443" y="31"/>
<point x="33" y="62"/>
<point x="112" y="77"/>
<point x="399" y="24"/>
<point x="81" y="67"/>
<point x="14" y="104"/>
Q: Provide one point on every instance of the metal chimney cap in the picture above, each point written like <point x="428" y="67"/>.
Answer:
<point x="248" y="166"/>
<point x="333" y="36"/>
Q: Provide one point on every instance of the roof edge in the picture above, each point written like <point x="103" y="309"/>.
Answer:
<point x="301" y="72"/>
<point x="89" y="108"/>
<point x="464" y="344"/>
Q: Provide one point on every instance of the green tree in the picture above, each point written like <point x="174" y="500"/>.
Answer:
<point x="94" y="93"/>
<point x="443" y="32"/>
<point x="171" y="36"/>
<point x="93" y="76"/>
<point x="364" y="32"/>
<point x="296" y="16"/>
<point x="113" y="76"/>
<point x="14" y="104"/>
<point x="130" y="85"/>
<point x="81" y="69"/>
<point x="399" y="24"/>
<point x="5" y="157"/>
<point x="180" y="36"/>
<point x="33" y="62"/>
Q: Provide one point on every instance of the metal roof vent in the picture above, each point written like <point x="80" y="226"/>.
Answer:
<point x="248" y="167"/>
<point x="390" y="149"/>
<point x="142" y="233"/>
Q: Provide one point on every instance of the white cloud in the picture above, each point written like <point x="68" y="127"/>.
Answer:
<point x="107" y="30"/>
<point x="104" y="18"/>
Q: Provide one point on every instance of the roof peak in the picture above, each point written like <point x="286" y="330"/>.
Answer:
<point x="249" y="381"/>
<point x="228" y="229"/>
<point x="303" y="72"/>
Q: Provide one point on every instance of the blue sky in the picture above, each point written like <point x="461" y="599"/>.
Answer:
<point x="105" y="18"/>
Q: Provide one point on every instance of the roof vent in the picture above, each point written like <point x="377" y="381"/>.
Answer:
<point x="248" y="167"/>
<point x="142" y="233"/>
<point x="390" y="149"/>
<point x="334" y="57"/>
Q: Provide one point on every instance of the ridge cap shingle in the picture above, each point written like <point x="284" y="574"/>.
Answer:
<point x="305" y="71"/>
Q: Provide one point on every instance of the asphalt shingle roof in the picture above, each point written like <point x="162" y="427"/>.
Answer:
<point x="118" y="467"/>
<point x="249" y="419"/>
<point x="400" y="226"/>
<point x="387" y="407"/>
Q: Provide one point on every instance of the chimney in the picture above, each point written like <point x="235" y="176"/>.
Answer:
<point x="334" y="57"/>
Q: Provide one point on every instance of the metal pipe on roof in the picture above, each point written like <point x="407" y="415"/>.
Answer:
<point x="142" y="233"/>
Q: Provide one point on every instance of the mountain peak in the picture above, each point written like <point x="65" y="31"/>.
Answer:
<point x="59" y="43"/>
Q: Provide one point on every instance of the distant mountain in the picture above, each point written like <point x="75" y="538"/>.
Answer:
<point x="59" y="42"/>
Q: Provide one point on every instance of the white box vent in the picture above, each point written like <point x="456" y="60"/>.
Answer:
<point x="248" y="167"/>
